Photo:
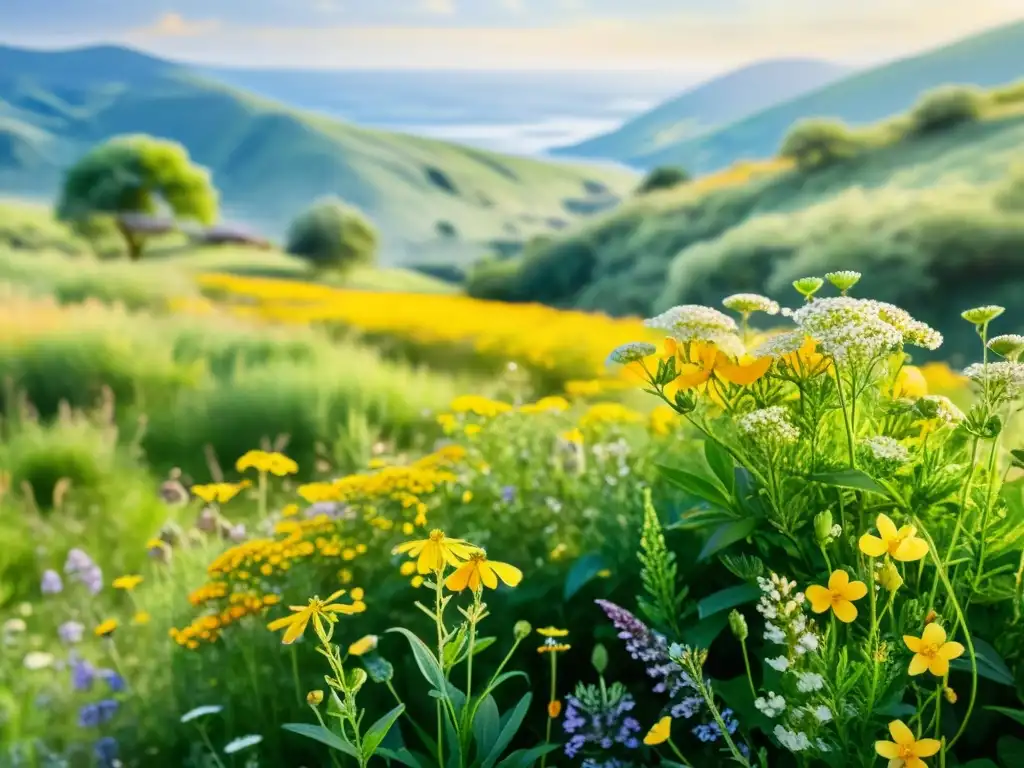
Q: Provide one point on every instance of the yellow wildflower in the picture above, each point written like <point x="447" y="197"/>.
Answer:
<point x="436" y="551"/>
<point x="572" y="436"/>
<point x="839" y="596"/>
<point x="905" y="751"/>
<point x="910" y="383"/>
<point x="902" y="544"/>
<point x="219" y="492"/>
<point x="552" y="404"/>
<point x="106" y="628"/>
<point x="932" y="652"/>
<point x="407" y="568"/>
<point x="267" y="461"/>
<point x="478" y="570"/>
<point x="127" y="583"/>
<point x="363" y="645"/>
<point x="552" y="632"/>
<point x="141" y="617"/>
<point x="316" y="610"/>
<point x="659" y="732"/>
<point x="315" y="698"/>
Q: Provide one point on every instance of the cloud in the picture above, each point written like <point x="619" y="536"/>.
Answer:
<point x="439" y="7"/>
<point x="175" y="25"/>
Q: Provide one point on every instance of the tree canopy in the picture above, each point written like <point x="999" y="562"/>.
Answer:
<point x="333" y="235"/>
<point x="136" y="175"/>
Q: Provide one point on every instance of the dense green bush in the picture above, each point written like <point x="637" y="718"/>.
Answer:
<point x="333" y="235"/>
<point x="814" y="144"/>
<point x="945" y="107"/>
<point x="495" y="280"/>
<point x="665" y="177"/>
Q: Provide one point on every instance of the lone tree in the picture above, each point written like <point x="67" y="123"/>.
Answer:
<point x="665" y="177"/>
<point x="333" y="235"/>
<point x="815" y="143"/>
<point x="133" y="176"/>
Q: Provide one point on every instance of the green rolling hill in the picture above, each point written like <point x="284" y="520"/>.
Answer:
<point x="710" y="105"/>
<point x="987" y="59"/>
<point x="270" y="161"/>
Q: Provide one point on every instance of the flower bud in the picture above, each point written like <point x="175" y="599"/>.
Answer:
<point x="554" y="708"/>
<point x="599" y="658"/>
<point x="355" y="679"/>
<point x="738" y="625"/>
<point x="932" y="616"/>
<point x="889" y="577"/>
<point x="808" y="286"/>
<point x="685" y="402"/>
<point x="949" y="694"/>
<point x="315" y="698"/>
<point x="823" y="528"/>
<point x="521" y="630"/>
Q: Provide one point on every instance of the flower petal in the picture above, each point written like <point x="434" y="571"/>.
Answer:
<point x="845" y="611"/>
<point x="887" y="749"/>
<point x="486" y="573"/>
<point x="939" y="666"/>
<point x="951" y="650"/>
<point x="900" y="733"/>
<point x="838" y="580"/>
<point x="743" y="374"/>
<point x="911" y="549"/>
<point x="459" y="580"/>
<point x="819" y="597"/>
<point x="927" y="747"/>
<point x="918" y="665"/>
<point x="507" y="573"/>
<point x="283" y="622"/>
<point x="913" y="643"/>
<point x="886" y="527"/>
<point x="855" y="590"/>
<point x="933" y="634"/>
<point x="872" y="546"/>
<point x="296" y="630"/>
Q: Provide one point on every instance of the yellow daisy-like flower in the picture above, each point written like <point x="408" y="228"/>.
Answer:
<point x="905" y="751"/>
<point x="552" y="646"/>
<point x="316" y="610"/>
<point x="363" y="645"/>
<point x="267" y="461"/>
<point x="573" y="435"/>
<point x="142" y="617"/>
<point x="932" y="652"/>
<point x="901" y="544"/>
<point x="106" y="628"/>
<point x="220" y="493"/>
<point x="910" y="383"/>
<point x="553" y="632"/>
<point x="479" y="572"/>
<point x="839" y="596"/>
<point x="659" y="732"/>
<point x="127" y="583"/>
<point x="434" y="553"/>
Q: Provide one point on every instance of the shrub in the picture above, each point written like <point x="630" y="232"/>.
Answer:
<point x="495" y="280"/>
<point x="945" y="107"/>
<point x="817" y="143"/>
<point x="665" y="177"/>
<point x="333" y="235"/>
<point x="449" y="273"/>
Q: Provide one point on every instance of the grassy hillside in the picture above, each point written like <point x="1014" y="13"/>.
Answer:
<point x="988" y="59"/>
<point x="270" y="161"/>
<point x="710" y="105"/>
<point x="935" y="221"/>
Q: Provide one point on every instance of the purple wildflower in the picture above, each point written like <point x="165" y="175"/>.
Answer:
<point x="599" y="720"/>
<point x="708" y="732"/>
<point x="92" y="579"/>
<point x="77" y="562"/>
<point x="106" y="750"/>
<point x="70" y="632"/>
<point x="113" y="680"/>
<point x="83" y="674"/>
<point x="508" y="494"/>
<point x="51" y="583"/>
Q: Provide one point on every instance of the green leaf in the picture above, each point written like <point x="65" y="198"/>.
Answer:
<point x="403" y="756"/>
<point x="728" y="598"/>
<point x="981" y="762"/>
<point x="695" y="519"/>
<point x="721" y="463"/>
<point x="376" y="733"/>
<point x="1013" y="714"/>
<point x="850" y="478"/>
<point x="486" y="726"/>
<point x="727" y="534"/>
<point x="504" y="677"/>
<point x="1010" y="750"/>
<point x="453" y="648"/>
<point x="990" y="664"/>
<point x="704" y="489"/>
<point x="324" y="736"/>
<point x="582" y="571"/>
<point x="509" y="727"/>
<point x="525" y="758"/>
<point x="425" y="660"/>
<point x="704" y="632"/>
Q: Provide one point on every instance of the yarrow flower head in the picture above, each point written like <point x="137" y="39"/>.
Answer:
<point x="883" y="455"/>
<point x="1004" y="380"/>
<point x="982" y="315"/>
<point x="770" y="427"/>
<point x="631" y="352"/>
<point x="844" y="279"/>
<point x="939" y="408"/>
<point x="695" y="322"/>
<point x="1009" y="345"/>
<point x="747" y="303"/>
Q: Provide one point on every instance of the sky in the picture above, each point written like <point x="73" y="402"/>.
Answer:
<point x="668" y="35"/>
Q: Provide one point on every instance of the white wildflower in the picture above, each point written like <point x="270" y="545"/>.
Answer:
<point x="771" y="706"/>
<point x="774" y="634"/>
<point x="808" y="682"/>
<point x="940" y="407"/>
<point x="1009" y="345"/>
<point x="631" y="352"/>
<point x="782" y="344"/>
<point x="808" y="642"/>
<point x="884" y="454"/>
<point x="1004" y="379"/>
<point x="794" y="741"/>
<point x="36" y="660"/>
<point x="695" y="322"/>
<point x="769" y="426"/>
<point x="780" y="664"/>
<point x="822" y="713"/>
<point x="745" y="303"/>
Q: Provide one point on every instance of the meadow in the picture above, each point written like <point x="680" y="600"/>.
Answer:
<point x="251" y="519"/>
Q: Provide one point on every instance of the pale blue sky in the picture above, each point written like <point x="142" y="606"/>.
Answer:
<point x="687" y="35"/>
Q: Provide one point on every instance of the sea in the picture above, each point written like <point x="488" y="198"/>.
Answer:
<point x="526" y="113"/>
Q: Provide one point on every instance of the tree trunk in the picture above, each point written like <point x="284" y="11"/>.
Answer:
<point x="133" y="243"/>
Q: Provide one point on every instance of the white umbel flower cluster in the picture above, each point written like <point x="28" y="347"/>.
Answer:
<point x="631" y="352"/>
<point x="782" y="344"/>
<point x="944" y="409"/>
<point x="695" y="322"/>
<point x="862" y="329"/>
<point x="747" y="303"/>
<point x="769" y="426"/>
<point x="1004" y="379"/>
<point x="794" y="741"/>
<point x="884" y="454"/>
<point x="771" y="705"/>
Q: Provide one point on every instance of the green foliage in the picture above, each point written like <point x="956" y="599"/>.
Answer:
<point x="332" y="235"/>
<point x="663" y="604"/>
<point x="946" y="107"/>
<point x="665" y="177"/>
<point x="495" y="280"/>
<point x="815" y="144"/>
<point x="136" y="175"/>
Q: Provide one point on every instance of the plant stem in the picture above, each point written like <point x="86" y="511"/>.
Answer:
<point x="263" y="495"/>
<point x="554" y="678"/>
<point x="746" y="663"/>
<point x="439" y="620"/>
<point x="846" y="418"/>
<point x="295" y="673"/>
<point x="209" y="745"/>
<point x="959" y="520"/>
<point x="678" y="754"/>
